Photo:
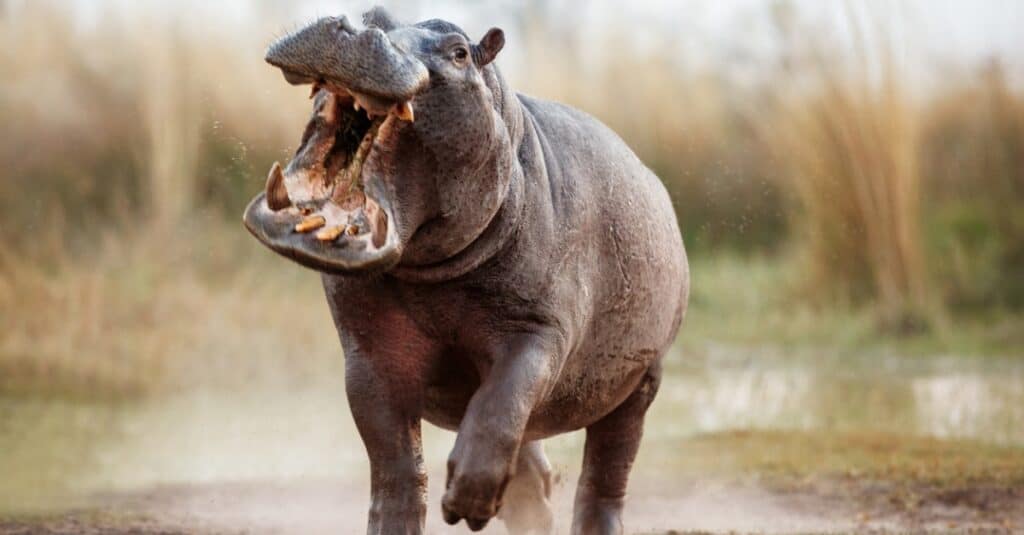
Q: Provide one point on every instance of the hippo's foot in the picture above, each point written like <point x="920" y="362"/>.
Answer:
<point x="598" y="516"/>
<point x="611" y="446"/>
<point x="491" y="433"/>
<point x="474" y="489"/>
<point x="527" y="509"/>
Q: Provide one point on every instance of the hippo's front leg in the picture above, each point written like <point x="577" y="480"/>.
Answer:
<point x="492" y="429"/>
<point x="384" y="384"/>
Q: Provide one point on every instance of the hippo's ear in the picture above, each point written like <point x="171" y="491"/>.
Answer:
<point x="379" y="17"/>
<point x="487" y="49"/>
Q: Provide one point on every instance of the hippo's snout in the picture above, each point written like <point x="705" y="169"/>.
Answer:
<point x="332" y="51"/>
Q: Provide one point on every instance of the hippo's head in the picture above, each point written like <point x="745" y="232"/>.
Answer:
<point x="398" y="162"/>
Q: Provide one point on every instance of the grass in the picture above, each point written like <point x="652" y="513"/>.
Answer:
<point x="758" y="301"/>
<point x="798" y="455"/>
<point x="152" y="313"/>
<point x="847" y="135"/>
<point x="139" y="316"/>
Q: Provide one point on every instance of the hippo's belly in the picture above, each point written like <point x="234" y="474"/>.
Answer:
<point x="624" y="293"/>
<point x="637" y="298"/>
<point x="577" y="400"/>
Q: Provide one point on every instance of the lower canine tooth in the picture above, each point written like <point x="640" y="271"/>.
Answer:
<point x="312" y="222"/>
<point x="277" y="195"/>
<point x="330" y="233"/>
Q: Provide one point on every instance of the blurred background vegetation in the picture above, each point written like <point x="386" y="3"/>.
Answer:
<point x="879" y="194"/>
<point x="852" y="200"/>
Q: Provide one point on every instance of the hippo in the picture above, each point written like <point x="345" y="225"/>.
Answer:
<point x="495" y="264"/>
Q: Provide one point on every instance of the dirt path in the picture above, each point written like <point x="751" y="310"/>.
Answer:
<point x="312" y="507"/>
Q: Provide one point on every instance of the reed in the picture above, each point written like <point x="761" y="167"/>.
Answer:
<point x="846" y="132"/>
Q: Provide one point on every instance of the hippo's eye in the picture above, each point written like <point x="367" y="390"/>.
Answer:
<point x="460" y="54"/>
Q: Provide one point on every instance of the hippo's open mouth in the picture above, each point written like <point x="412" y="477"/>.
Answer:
<point x="329" y="209"/>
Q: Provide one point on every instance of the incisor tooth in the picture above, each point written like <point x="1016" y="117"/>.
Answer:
<point x="404" y="111"/>
<point x="312" y="222"/>
<point x="330" y="233"/>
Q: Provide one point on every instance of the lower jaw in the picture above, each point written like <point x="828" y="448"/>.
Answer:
<point x="346" y="254"/>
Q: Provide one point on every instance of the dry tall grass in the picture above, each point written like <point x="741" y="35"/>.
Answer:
<point x="846" y="134"/>
<point x="127" y="148"/>
<point x="142" y="112"/>
<point x="139" y="315"/>
<point x="131" y="145"/>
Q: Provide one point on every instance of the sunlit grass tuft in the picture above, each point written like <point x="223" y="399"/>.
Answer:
<point x="148" y="312"/>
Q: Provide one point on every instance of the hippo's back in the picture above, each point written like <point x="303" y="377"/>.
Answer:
<point x="629" y="255"/>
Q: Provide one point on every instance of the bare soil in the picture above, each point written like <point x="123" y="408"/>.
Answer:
<point x="681" y="506"/>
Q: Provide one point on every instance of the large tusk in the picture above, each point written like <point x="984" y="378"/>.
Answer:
<point x="277" y="195"/>
<point x="404" y="111"/>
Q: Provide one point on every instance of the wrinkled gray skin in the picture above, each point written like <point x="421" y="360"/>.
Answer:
<point x="523" y="275"/>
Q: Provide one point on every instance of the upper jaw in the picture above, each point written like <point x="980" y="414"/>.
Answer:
<point x="364" y="62"/>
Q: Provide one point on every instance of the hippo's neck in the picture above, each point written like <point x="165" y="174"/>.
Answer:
<point x="506" y="219"/>
<point x="491" y="241"/>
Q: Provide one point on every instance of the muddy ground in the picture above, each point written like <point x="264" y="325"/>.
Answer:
<point x="681" y="506"/>
<point x="732" y="445"/>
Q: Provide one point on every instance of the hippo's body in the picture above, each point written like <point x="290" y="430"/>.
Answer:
<point x="538" y="284"/>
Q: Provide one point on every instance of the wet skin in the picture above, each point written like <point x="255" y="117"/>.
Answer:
<point x="507" y="268"/>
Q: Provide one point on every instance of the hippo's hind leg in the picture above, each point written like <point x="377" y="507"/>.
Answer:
<point x="526" y="507"/>
<point x="611" y="446"/>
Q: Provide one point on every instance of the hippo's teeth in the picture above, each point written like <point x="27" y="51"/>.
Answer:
<point x="314" y="90"/>
<point x="404" y="111"/>
<point x="353" y="230"/>
<point x="277" y="195"/>
<point x="312" y="222"/>
<point x="355" y="104"/>
<point x="330" y="233"/>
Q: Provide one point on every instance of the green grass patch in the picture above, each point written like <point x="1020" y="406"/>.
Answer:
<point x="799" y="455"/>
<point x="760" y="301"/>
